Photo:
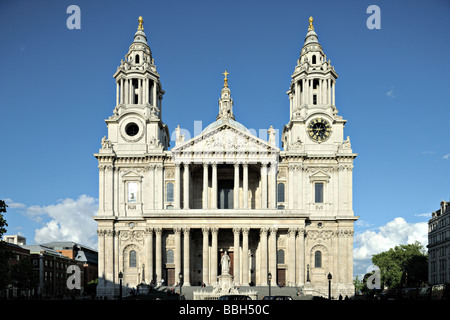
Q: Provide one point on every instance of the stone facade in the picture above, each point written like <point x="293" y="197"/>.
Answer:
<point x="286" y="212"/>
<point x="439" y="245"/>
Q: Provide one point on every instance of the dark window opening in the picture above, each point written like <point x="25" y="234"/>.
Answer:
<point x="136" y="58"/>
<point x="132" y="129"/>
<point x="314" y="59"/>
<point x="318" y="259"/>
<point x="319" y="192"/>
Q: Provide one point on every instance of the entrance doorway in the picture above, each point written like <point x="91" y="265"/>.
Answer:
<point x="281" y="277"/>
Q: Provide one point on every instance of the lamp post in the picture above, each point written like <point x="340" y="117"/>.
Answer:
<point x="180" y="276"/>
<point x="120" y="285"/>
<point x="329" y="285"/>
<point x="269" y="280"/>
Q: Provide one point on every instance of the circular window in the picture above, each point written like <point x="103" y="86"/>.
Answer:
<point x="132" y="129"/>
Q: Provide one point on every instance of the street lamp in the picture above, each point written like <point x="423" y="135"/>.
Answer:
<point x="329" y="285"/>
<point x="180" y="276"/>
<point x="120" y="285"/>
<point x="269" y="280"/>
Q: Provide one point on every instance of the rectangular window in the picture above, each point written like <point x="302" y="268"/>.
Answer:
<point x="318" y="192"/>
<point x="132" y="192"/>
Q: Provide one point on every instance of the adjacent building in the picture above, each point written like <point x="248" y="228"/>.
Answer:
<point x="439" y="245"/>
<point x="170" y="211"/>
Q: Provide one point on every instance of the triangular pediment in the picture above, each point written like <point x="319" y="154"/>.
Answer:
<point x="225" y="137"/>
<point x="319" y="176"/>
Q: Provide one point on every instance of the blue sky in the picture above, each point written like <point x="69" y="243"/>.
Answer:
<point x="56" y="89"/>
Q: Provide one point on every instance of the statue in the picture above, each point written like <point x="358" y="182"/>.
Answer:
<point x="225" y="264"/>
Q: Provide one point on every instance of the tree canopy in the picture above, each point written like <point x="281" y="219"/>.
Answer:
<point x="403" y="266"/>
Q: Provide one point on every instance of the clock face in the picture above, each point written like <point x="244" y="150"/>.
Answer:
<point x="319" y="129"/>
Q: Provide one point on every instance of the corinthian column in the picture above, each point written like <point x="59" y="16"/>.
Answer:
<point x="236" y="186"/>
<point x="214" y="251"/>
<point x="237" y="267"/>
<point x="205" y="255"/>
<point x="158" y="257"/>
<point x="177" y="232"/>
<point x="273" y="255"/>
<point x="186" y="271"/>
<point x="263" y="267"/>
<point x="245" y="279"/>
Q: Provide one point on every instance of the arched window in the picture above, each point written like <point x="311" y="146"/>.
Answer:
<point x="314" y="59"/>
<point x="318" y="259"/>
<point x="132" y="262"/>
<point x="169" y="192"/>
<point x="280" y="256"/>
<point x="281" y="192"/>
<point x="136" y="58"/>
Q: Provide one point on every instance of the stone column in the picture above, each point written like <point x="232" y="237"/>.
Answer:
<point x="264" y="185"/>
<point x="186" y="186"/>
<point x="245" y="184"/>
<point x="177" y="232"/>
<point x="117" y="93"/>
<point x="158" y="255"/>
<point x="205" y="186"/>
<point x="333" y="101"/>
<point x="245" y="278"/>
<point x="101" y="257"/>
<point x="177" y="186"/>
<point x="214" y="252"/>
<point x="263" y="261"/>
<point x="186" y="258"/>
<point x="205" y="255"/>
<point x="273" y="255"/>
<point x="237" y="266"/>
<point x="349" y="257"/>
<point x="214" y="187"/>
<point x="159" y="187"/>
<point x="148" y="255"/>
<point x="301" y="256"/>
<point x="236" y="186"/>
<point x="273" y="185"/>
<point x="154" y="93"/>
<point x="291" y="169"/>
<point x="291" y="257"/>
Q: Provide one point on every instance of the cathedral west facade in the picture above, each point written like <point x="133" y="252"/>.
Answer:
<point x="170" y="211"/>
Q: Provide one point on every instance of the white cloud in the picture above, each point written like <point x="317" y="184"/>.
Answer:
<point x="447" y="156"/>
<point x="67" y="220"/>
<point x="390" y="93"/>
<point x="393" y="233"/>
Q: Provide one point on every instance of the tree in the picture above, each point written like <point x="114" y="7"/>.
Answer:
<point x="403" y="266"/>
<point x="5" y="253"/>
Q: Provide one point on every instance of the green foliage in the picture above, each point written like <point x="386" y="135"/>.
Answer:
<point x="5" y="253"/>
<point x="403" y="266"/>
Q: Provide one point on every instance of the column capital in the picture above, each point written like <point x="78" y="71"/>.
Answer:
<point x="148" y="231"/>
<point x="292" y="232"/>
<point x="273" y="231"/>
<point x="237" y="230"/>
<point x="177" y="231"/>
<point x="263" y="231"/>
<point x="214" y="231"/>
<point x="245" y="231"/>
<point x="158" y="231"/>
<point x="186" y="231"/>
<point x="205" y="230"/>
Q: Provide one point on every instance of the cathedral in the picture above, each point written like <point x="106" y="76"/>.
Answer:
<point x="171" y="212"/>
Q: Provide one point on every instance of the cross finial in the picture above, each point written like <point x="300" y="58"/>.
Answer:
<point x="141" y="22"/>
<point x="311" y="27"/>
<point x="225" y="81"/>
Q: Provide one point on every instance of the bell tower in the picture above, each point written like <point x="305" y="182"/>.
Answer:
<point x="136" y="125"/>
<point x="313" y="118"/>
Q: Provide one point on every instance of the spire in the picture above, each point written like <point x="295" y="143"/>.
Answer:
<point x="225" y="101"/>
